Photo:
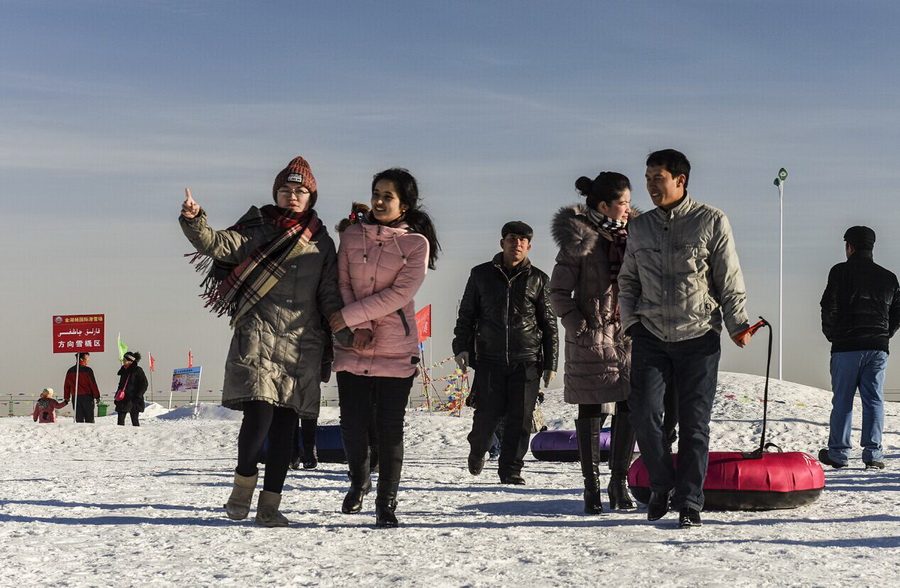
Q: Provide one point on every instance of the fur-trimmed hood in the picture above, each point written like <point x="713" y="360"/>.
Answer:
<point x="574" y="231"/>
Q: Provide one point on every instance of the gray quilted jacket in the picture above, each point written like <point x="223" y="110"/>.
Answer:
<point x="276" y="351"/>
<point x="681" y="276"/>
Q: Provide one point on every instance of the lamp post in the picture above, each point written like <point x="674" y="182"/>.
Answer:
<point x="779" y="183"/>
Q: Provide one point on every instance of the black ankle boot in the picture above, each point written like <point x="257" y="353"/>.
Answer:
<point x="384" y="515"/>
<point x="587" y="433"/>
<point x="619" y="498"/>
<point x="621" y="450"/>
<point x="353" y="501"/>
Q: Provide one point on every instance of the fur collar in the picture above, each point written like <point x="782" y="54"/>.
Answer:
<point x="573" y="231"/>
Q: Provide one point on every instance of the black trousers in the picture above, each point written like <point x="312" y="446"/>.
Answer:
<point x="509" y="391"/>
<point x="261" y="421"/>
<point x="378" y="402"/>
<point x="84" y="409"/>
<point x="135" y="415"/>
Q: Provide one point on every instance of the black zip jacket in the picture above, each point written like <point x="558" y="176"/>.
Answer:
<point x="861" y="305"/>
<point x="507" y="319"/>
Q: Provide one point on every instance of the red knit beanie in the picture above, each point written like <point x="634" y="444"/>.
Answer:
<point x="297" y="170"/>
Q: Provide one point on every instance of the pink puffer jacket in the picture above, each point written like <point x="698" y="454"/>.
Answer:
<point x="380" y="269"/>
<point x="45" y="410"/>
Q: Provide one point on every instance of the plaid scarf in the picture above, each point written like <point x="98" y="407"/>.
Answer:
<point x="233" y="289"/>
<point x="616" y="232"/>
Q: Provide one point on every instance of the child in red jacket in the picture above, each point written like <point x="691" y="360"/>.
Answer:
<point x="45" y="409"/>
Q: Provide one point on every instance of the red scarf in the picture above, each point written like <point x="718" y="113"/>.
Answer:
<point x="233" y="289"/>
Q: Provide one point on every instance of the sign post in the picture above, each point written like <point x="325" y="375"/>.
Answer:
<point x="78" y="333"/>
<point x="186" y="380"/>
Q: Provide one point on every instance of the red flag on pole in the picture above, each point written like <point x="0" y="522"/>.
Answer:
<point x="190" y="358"/>
<point x="423" y="323"/>
<point x="152" y="362"/>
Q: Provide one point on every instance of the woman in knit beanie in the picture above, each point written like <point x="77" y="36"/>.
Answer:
<point x="274" y="273"/>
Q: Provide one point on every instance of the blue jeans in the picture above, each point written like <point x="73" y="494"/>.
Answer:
<point x="692" y="367"/>
<point x="851" y="370"/>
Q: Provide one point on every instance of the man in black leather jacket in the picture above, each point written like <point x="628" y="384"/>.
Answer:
<point x="860" y="313"/>
<point x="506" y="330"/>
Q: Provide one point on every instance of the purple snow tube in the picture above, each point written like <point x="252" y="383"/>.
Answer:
<point x="563" y="445"/>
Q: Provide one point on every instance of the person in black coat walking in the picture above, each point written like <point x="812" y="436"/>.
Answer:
<point x="132" y="387"/>
<point x="507" y="332"/>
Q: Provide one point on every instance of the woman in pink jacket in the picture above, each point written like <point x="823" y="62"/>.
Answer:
<point x="382" y="261"/>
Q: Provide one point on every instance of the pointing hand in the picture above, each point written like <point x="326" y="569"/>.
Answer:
<point x="189" y="208"/>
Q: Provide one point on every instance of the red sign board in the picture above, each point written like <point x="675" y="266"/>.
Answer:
<point x="74" y="333"/>
<point x="423" y="323"/>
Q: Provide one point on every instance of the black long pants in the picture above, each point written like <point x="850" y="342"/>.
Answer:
<point x="263" y="420"/>
<point x="386" y="398"/>
<point x="135" y="417"/>
<point x="504" y="390"/>
<point x="84" y="409"/>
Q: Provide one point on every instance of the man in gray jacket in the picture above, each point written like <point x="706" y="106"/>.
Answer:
<point x="680" y="280"/>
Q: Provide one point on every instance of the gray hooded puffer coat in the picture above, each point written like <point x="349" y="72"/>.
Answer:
<point x="597" y="352"/>
<point x="276" y="350"/>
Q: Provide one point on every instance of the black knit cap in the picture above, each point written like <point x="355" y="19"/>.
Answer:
<point x="517" y="228"/>
<point x="860" y="237"/>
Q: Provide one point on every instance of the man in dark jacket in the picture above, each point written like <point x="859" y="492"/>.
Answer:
<point x="81" y="388"/>
<point x="507" y="331"/>
<point x="860" y="313"/>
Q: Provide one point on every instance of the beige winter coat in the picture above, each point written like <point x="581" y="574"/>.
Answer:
<point x="276" y="350"/>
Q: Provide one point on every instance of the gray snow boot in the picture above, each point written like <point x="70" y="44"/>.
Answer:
<point x="238" y="505"/>
<point x="267" y="513"/>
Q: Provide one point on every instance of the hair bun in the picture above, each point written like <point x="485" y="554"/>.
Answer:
<point x="583" y="185"/>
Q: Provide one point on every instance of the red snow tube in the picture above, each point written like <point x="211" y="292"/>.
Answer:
<point x="734" y="482"/>
<point x="757" y="480"/>
<point x="563" y="445"/>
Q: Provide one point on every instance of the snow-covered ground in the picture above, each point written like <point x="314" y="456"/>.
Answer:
<point x="103" y="505"/>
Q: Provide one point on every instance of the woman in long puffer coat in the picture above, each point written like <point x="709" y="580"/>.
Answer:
<point x="130" y="392"/>
<point x="274" y="273"/>
<point x="382" y="262"/>
<point x="584" y="295"/>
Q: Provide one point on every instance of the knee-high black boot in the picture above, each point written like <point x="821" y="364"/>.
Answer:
<point x="621" y="451"/>
<point x="390" y="463"/>
<point x="587" y="433"/>
<point x="308" y="435"/>
<point x="356" y="448"/>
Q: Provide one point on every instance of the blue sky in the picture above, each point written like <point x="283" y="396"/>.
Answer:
<point x="109" y="109"/>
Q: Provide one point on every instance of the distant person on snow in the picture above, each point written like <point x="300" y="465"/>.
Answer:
<point x="860" y="314"/>
<point x="130" y="392"/>
<point x="506" y="331"/>
<point x="274" y="273"/>
<point x="680" y="283"/>
<point x="45" y="408"/>
<point x="87" y="393"/>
